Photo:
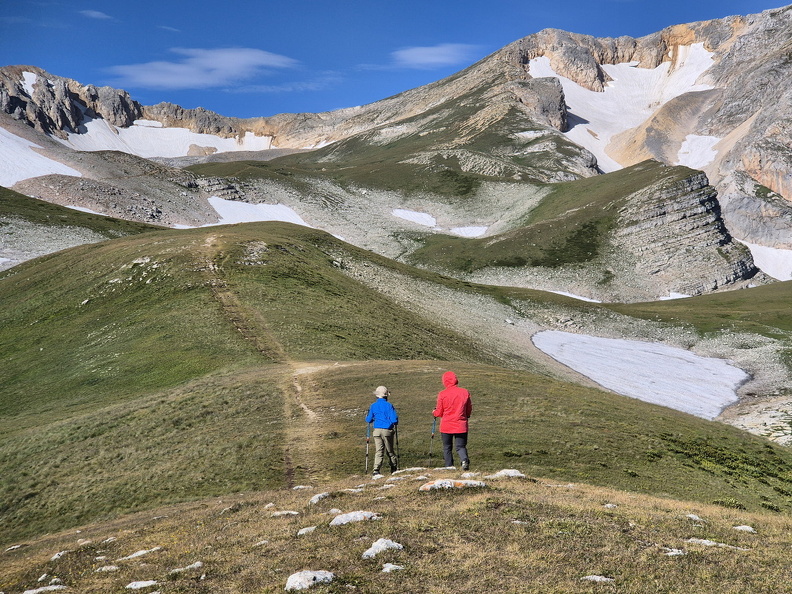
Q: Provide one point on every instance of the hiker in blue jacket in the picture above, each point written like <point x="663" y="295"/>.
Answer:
<point x="385" y="419"/>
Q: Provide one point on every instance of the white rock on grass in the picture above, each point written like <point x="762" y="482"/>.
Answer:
<point x="711" y="543"/>
<point x="13" y="548"/>
<point x="57" y="556"/>
<point x="506" y="473"/>
<point x="301" y="487"/>
<point x="389" y="567"/>
<point x="673" y="552"/>
<point x="358" y="516"/>
<point x="106" y="569"/>
<point x="282" y="514"/>
<point x="307" y="530"/>
<point x="450" y="484"/>
<point x="413" y="469"/>
<point x="694" y="517"/>
<point x="745" y="529"/>
<point x="196" y="565"/>
<point x="142" y="585"/>
<point x="302" y="580"/>
<point x="45" y="589"/>
<point x="597" y="578"/>
<point x="318" y="497"/>
<point x="140" y="553"/>
<point x="379" y="546"/>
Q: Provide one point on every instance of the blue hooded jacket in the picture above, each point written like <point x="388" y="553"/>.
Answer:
<point x="382" y="413"/>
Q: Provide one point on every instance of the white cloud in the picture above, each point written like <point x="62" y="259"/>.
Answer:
<point x="95" y="14"/>
<point x="201" y="68"/>
<point x="319" y="84"/>
<point x="436" y="56"/>
<point x="171" y="29"/>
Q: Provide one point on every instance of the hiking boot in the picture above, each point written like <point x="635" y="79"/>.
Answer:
<point x="465" y="464"/>
<point x="376" y="472"/>
<point x="394" y="468"/>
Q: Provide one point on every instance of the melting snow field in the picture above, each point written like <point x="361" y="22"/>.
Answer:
<point x="149" y="139"/>
<point x="426" y="220"/>
<point x="650" y="372"/>
<point x="241" y="212"/>
<point x="18" y="161"/>
<point x="697" y="151"/>
<point x="774" y="262"/>
<point x="628" y="100"/>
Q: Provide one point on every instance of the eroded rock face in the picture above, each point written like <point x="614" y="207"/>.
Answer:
<point x="674" y="234"/>
<point x="55" y="105"/>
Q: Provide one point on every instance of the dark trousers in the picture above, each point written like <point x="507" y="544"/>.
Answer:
<point x="456" y="441"/>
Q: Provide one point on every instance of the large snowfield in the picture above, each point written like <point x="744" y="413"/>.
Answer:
<point x="630" y="99"/>
<point x="149" y="139"/>
<point x="647" y="371"/>
<point x="20" y="161"/>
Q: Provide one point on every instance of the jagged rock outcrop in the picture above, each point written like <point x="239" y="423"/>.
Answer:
<point x="675" y="238"/>
<point x="55" y="105"/>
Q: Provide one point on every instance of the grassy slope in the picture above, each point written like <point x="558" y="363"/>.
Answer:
<point x="367" y="160"/>
<point x="515" y="535"/>
<point x="17" y="206"/>
<point x="179" y="365"/>
<point x="569" y="226"/>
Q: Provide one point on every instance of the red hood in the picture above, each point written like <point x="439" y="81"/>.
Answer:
<point x="450" y="379"/>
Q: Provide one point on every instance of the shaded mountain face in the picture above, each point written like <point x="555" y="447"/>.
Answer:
<point x="477" y="150"/>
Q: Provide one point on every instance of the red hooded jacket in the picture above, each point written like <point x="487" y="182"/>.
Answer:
<point x="453" y="405"/>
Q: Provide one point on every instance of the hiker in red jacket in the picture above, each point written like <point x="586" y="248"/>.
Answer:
<point x="454" y="406"/>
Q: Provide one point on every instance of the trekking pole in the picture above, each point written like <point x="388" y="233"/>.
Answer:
<point x="431" y="440"/>
<point x="396" y="434"/>
<point x="368" y="435"/>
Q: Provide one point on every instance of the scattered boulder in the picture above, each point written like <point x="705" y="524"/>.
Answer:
<point x="383" y="544"/>
<point x="357" y="516"/>
<point x="302" y="580"/>
<point x="451" y="484"/>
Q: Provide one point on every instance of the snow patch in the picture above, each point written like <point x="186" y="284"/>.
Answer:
<point x="697" y="152"/>
<point x="145" y="139"/>
<point x="420" y="218"/>
<point x="28" y="80"/>
<point x="565" y="294"/>
<point x="650" y="372"/>
<point x="232" y="212"/>
<point x="628" y="100"/>
<point x="469" y="231"/>
<point x="775" y="262"/>
<point x="18" y="161"/>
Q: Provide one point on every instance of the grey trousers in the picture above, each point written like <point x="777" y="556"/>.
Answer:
<point x="383" y="442"/>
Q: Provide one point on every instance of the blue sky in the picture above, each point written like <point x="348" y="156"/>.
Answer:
<point x="261" y="57"/>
